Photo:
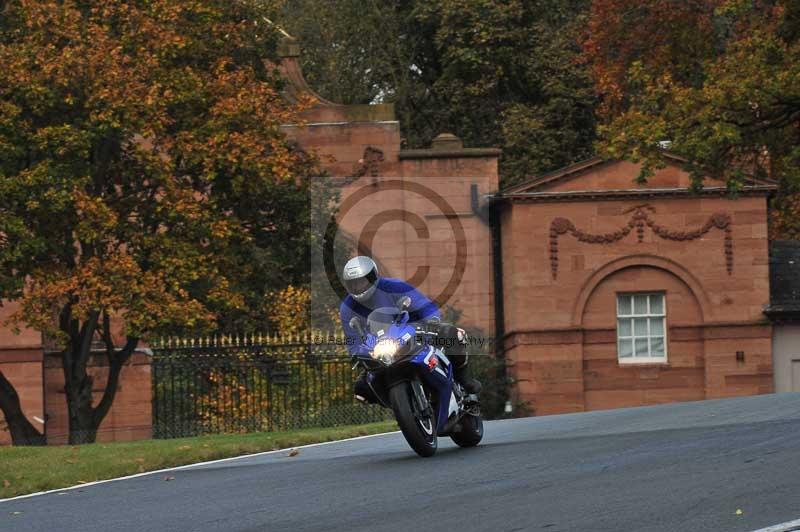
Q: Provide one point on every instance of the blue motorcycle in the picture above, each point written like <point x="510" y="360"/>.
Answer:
<point x="410" y="374"/>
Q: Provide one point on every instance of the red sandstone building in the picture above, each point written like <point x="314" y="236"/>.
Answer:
<point x="619" y="294"/>
<point x="604" y="293"/>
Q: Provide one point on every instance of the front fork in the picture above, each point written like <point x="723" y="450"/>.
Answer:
<point x="422" y="407"/>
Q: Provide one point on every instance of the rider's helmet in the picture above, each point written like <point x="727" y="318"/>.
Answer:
<point x="360" y="278"/>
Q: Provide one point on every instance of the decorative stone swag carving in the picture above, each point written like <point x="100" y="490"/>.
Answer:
<point x="639" y="220"/>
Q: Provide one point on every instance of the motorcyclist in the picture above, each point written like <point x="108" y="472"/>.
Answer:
<point x="367" y="291"/>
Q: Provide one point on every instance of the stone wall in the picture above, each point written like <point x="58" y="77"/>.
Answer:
<point x="23" y="369"/>
<point x="130" y="417"/>
<point x="21" y="363"/>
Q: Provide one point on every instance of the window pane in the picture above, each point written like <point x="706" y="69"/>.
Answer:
<point x="640" y="326"/>
<point x="624" y="303"/>
<point x="641" y="347"/>
<point x="657" y="346"/>
<point x="624" y="348"/>
<point x="640" y="305"/>
<point x="657" y="326"/>
<point x="657" y="304"/>
<point x="624" y="327"/>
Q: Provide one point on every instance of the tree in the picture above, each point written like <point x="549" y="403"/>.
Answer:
<point x="351" y="53"/>
<point x="142" y="165"/>
<point x="660" y="35"/>
<point x="730" y="107"/>
<point x="494" y="73"/>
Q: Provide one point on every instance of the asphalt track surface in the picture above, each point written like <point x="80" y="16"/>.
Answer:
<point x="678" y="467"/>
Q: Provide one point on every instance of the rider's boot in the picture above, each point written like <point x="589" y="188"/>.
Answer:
<point x="456" y="350"/>
<point x="463" y="375"/>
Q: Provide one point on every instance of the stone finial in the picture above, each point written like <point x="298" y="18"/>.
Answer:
<point x="447" y="141"/>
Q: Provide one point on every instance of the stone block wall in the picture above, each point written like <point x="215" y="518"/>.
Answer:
<point x="21" y="363"/>
<point x="23" y="369"/>
<point x="39" y="380"/>
<point x="130" y="417"/>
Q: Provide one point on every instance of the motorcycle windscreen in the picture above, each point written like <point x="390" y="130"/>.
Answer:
<point x="381" y="319"/>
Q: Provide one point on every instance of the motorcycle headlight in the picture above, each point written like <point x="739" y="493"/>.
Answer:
<point x="385" y="350"/>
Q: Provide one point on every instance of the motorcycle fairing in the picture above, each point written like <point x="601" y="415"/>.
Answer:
<point x="440" y="378"/>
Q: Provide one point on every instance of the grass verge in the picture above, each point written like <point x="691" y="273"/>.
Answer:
<point x="30" y="469"/>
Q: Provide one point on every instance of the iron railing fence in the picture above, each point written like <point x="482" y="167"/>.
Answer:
<point x="264" y="384"/>
<point x="264" y="387"/>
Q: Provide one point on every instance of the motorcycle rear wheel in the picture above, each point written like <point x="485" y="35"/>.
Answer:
<point x="471" y="432"/>
<point x="420" y="433"/>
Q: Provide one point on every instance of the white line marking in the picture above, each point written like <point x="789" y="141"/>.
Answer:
<point x="188" y="466"/>
<point x="783" y="527"/>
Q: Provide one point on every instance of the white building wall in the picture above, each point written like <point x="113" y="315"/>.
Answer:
<point x="786" y="357"/>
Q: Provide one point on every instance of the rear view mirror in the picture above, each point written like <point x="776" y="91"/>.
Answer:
<point x="403" y="318"/>
<point x="355" y="323"/>
<point x="404" y="303"/>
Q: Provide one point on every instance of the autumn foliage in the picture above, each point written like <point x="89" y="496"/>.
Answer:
<point x="660" y="36"/>
<point x="718" y="79"/>
<point x="247" y="401"/>
<point x="142" y="165"/>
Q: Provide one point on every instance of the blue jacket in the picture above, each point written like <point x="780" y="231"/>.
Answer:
<point x="388" y="292"/>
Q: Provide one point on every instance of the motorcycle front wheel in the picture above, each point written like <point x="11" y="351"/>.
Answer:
<point x="418" y="429"/>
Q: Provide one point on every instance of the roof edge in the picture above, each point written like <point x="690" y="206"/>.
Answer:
<point x="586" y="164"/>
<point x="581" y="195"/>
<point x="559" y="173"/>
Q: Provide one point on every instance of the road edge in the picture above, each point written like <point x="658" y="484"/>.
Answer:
<point x="788" y="526"/>
<point x="189" y="466"/>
